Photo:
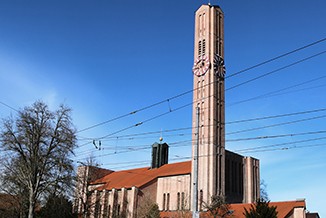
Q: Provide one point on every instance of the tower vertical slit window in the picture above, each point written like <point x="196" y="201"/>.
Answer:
<point x="217" y="33"/>
<point x="203" y="88"/>
<point x="200" y="25"/>
<point x="168" y="202"/>
<point x="198" y="90"/>
<point x="202" y="111"/>
<point x="204" y="23"/>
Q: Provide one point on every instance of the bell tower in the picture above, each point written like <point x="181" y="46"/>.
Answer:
<point x="208" y="104"/>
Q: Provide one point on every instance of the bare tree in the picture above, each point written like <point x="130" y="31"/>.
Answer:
<point x="263" y="191"/>
<point x="183" y="208"/>
<point x="86" y="202"/>
<point x="218" y="207"/>
<point x="14" y="187"/>
<point x="38" y="144"/>
<point x="148" y="208"/>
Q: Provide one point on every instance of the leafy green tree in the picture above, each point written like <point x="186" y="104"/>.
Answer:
<point x="261" y="209"/>
<point x="37" y="145"/>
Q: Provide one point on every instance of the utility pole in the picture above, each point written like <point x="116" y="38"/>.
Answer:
<point x="195" y="213"/>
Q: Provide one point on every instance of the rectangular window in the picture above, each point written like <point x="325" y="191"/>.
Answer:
<point x="168" y="202"/>
<point x="118" y="212"/>
<point x="182" y="201"/>
<point x="164" y="196"/>
<point x="97" y="205"/>
<point x="201" y="196"/>
<point x="109" y="211"/>
<point x="178" y="201"/>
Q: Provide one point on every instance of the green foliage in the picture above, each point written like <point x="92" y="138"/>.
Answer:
<point x="261" y="209"/>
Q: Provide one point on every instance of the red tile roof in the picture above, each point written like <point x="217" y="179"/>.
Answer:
<point x="141" y="176"/>
<point x="283" y="208"/>
<point x="7" y="201"/>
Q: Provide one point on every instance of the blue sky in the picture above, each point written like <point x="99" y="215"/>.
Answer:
<point x="108" y="58"/>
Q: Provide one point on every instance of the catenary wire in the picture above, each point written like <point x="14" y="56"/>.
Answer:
<point x="274" y="125"/>
<point x="276" y="58"/>
<point x="8" y="106"/>
<point x="142" y="162"/>
<point x="276" y="92"/>
<point x="190" y="91"/>
<point x="227" y="123"/>
<point x="275" y="71"/>
<point x="125" y="149"/>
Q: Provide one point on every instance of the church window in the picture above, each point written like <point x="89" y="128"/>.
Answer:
<point x="178" y="201"/>
<point x="109" y="211"/>
<point x="201" y="196"/>
<point x="118" y="212"/>
<point x="164" y="199"/>
<point x="97" y="204"/>
<point x="182" y="201"/>
<point x="199" y="49"/>
<point x="168" y="201"/>
<point x="105" y="207"/>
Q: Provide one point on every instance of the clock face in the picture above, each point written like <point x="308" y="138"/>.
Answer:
<point x="219" y="67"/>
<point x="201" y="65"/>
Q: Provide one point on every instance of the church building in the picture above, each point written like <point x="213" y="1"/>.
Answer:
<point x="182" y="186"/>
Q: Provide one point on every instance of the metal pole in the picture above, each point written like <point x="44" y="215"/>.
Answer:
<point x="195" y="213"/>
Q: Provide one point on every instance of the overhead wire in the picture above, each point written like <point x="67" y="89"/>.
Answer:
<point x="287" y="148"/>
<point x="8" y="106"/>
<point x="145" y="121"/>
<point x="231" y="75"/>
<point x="274" y="93"/>
<point x="142" y="162"/>
<point x="168" y="100"/>
<point x="274" y="125"/>
<point x="276" y="58"/>
<point x="278" y="145"/>
<point x="234" y="122"/>
<point x="253" y="79"/>
<point x="276" y="70"/>
<point x="277" y="116"/>
<point x="133" y="148"/>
